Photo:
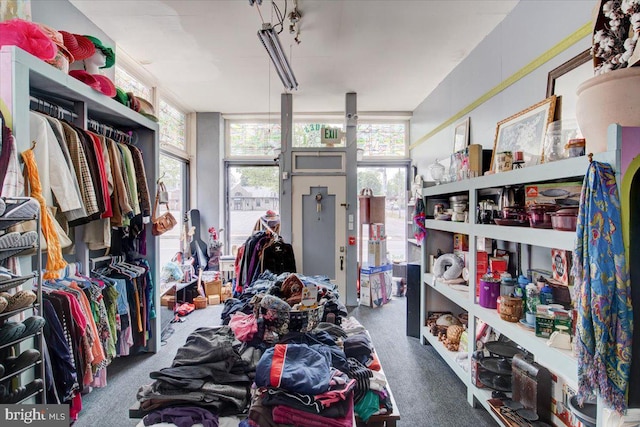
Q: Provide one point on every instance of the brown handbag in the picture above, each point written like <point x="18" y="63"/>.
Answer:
<point x="164" y="222"/>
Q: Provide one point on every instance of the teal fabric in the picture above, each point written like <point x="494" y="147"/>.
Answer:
<point x="367" y="406"/>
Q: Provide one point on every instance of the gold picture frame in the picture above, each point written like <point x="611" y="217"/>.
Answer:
<point x="461" y="135"/>
<point x="524" y="131"/>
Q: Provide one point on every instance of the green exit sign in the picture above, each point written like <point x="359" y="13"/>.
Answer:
<point x="330" y="136"/>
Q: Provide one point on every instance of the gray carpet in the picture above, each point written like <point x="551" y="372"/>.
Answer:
<point x="427" y="392"/>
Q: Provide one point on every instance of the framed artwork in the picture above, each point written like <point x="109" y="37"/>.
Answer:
<point x="525" y="132"/>
<point x="461" y="135"/>
<point x="564" y="80"/>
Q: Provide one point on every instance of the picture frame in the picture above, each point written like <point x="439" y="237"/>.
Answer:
<point x="461" y="135"/>
<point x="563" y="81"/>
<point x="525" y="132"/>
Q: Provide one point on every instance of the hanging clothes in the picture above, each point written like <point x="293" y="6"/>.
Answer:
<point x="54" y="251"/>
<point x="603" y="292"/>
<point x="11" y="180"/>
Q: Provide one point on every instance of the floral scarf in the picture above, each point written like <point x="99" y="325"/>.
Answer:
<point x="603" y="292"/>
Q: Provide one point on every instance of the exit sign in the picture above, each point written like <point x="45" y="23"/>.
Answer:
<point x="330" y="136"/>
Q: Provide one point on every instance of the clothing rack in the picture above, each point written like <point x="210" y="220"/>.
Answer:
<point x="50" y="109"/>
<point x="110" y="132"/>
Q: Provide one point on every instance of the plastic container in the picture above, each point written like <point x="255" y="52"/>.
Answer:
<point x="575" y="147"/>
<point x="540" y="215"/>
<point x="546" y="295"/>
<point x="565" y="219"/>
<point x="489" y="292"/>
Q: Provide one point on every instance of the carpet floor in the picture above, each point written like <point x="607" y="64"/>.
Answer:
<point x="426" y="391"/>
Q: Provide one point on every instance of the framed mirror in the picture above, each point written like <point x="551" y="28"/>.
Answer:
<point x="564" y="80"/>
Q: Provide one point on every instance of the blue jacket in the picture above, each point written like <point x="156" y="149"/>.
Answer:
<point x="298" y="368"/>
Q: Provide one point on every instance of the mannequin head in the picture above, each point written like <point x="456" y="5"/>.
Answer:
<point x="92" y="64"/>
<point x="95" y="62"/>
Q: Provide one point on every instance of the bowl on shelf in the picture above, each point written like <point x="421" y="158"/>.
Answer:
<point x="565" y="219"/>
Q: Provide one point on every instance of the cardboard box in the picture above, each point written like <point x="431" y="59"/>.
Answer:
<point x="375" y="285"/>
<point x="377" y="253"/>
<point x="484" y="244"/>
<point x="564" y="193"/>
<point x="166" y="299"/>
<point x="376" y="232"/>
<point x="460" y="242"/>
<point x="213" y="299"/>
<point x="213" y="287"/>
<point x="479" y="159"/>
<point x="544" y="325"/>
<point x="226" y="293"/>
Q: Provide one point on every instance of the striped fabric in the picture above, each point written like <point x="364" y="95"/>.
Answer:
<point x="82" y="170"/>
<point x="361" y="374"/>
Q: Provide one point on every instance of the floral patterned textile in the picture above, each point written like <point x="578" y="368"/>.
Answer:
<point x="603" y="292"/>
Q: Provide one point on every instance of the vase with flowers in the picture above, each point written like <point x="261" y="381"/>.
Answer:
<point x="613" y="94"/>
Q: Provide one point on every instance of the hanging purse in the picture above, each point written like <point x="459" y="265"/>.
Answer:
<point x="166" y="221"/>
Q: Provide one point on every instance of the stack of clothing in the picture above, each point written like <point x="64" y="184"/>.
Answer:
<point x="298" y="384"/>
<point x="370" y="395"/>
<point x="212" y="370"/>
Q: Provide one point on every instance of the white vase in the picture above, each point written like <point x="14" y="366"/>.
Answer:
<point x="612" y="97"/>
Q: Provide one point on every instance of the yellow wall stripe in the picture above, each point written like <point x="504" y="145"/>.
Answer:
<point x="564" y="44"/>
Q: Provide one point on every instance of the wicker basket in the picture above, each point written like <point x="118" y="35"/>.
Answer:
<point x="510" y="308"/>
<point x="200" y="302"/>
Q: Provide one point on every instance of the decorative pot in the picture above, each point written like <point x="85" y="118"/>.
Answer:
<point x="612" y="97"/>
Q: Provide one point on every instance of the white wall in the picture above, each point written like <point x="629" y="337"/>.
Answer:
<point x="532" y="28"/>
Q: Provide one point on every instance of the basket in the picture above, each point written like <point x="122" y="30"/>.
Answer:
<point x="200" y="302"/>
<point x="510" y="308"/>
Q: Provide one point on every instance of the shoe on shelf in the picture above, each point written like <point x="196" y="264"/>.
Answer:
<point x="21" y="299"/>
<point x="3" y="206"/>
<point x="6" y="274"/>
<point x="10" y="331"/>
<point x="1" y="370"/>
<point x="26" y="358"/>
<point x="3" y="303"/>
<point x="28" y="238"/>
<point x="22" y="392"/>
<point x="23" y="209"/>
<point x="32" y="325"/>
<point x="9" y="240"/>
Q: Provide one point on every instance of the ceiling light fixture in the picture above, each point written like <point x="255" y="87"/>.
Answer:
<point x="271" y="42"/>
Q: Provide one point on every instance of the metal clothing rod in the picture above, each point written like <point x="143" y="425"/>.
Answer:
<point x="50" y="108"/>
<point x="109" y="131"/>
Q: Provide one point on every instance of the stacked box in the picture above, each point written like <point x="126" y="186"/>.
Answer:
<point x="482" y="264"/>
<point x="214" y="287"/>
<point x="377" y="253"/>
<point x="375" y="285"/>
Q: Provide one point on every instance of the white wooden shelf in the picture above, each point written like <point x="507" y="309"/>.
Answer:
<point x="527" y="235"/>
<point x="460" y="298"/>
<point x="434" y="294"/>
<point x="561" y="362"/>
<point x="451" y="226"/>
<point x="483" y="395"/>
<point x="447" y="356"/>
<point x="448" y="188"/>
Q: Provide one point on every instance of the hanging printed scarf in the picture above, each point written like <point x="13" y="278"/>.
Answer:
<point x="603" y="293"/>
<point x="419" y="216"/>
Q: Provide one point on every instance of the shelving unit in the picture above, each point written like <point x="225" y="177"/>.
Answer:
<point x="25" y="76"/>
<point x="35" y="279"/>
<point x="438" y="296"/>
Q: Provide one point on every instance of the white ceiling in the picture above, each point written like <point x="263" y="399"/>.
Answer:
<point x="392" y="53"/>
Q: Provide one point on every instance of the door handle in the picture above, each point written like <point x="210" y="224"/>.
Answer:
<point x="341" y="263"/>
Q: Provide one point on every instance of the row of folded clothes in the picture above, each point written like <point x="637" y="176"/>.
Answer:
<point x="320" y="378"/>
<point x="86" y="178"/>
